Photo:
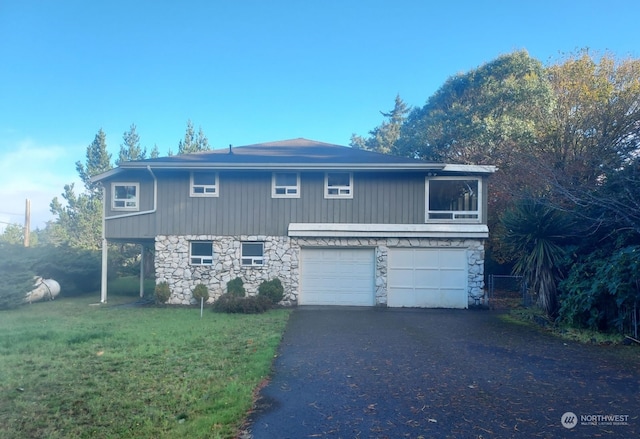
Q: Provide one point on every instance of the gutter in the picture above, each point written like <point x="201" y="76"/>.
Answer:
<point x="144" y="212"/>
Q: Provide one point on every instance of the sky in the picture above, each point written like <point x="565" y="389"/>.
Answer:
<point x="248" y="71"/>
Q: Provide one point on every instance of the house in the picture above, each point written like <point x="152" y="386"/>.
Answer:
<point x="337" y="225"/>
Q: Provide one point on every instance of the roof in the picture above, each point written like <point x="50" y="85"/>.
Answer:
<point x="293" y="154"/>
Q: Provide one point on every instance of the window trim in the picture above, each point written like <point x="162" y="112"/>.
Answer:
<point x="287" y="188"/>
<point x="478" y="212"/>
<point x="215" y="186"/>
<point x="136" y="200"/>
<point x="340" y="188"/>
<point x="255" y="261"/>
<point x="204" y="259"/>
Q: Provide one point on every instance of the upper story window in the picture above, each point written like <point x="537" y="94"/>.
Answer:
<point x="453" y="199"/>
<point x="125" y="196"/>
<point x="252" y="254"/>
<point x="285" y="185"/>
<point x="204" y="184"/>
<point x="338" y="185"/>
<point x="201" y="252"/>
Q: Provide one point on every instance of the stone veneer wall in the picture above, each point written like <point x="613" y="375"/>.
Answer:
<point x="172" y="265"/>
<point x="281" y="259"/>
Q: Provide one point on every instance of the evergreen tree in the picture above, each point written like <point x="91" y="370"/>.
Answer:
<point x="131" y="149"/>
<point x="98" y="160"/>
<point x="13" y="234"/>
<point x="192" y="142"/>
<point x="79" y="222"/>
<point x="155" y="153"/>
<point x="384" y="137"/>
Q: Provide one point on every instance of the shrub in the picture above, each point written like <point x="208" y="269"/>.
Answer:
<point x="201" y="292"/>
<point x="231" y="304"/>
<point x="78" y="271"/>
<point x="162" y="293"/>
<point x="235" y="287"/>
<point x="272" y="290"/>
<point x="16" y="276"/>
<point x="602" y="290"/>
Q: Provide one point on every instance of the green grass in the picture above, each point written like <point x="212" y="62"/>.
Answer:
<point x="72" y="370"/>
<point x="534" y="315"/>
<point x="130" y="286"/>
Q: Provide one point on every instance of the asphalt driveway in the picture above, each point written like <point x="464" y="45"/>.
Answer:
<point x="394" y="373"/>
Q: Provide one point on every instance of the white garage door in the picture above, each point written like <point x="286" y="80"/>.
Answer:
<point x="427" y="278"/>
<point x="337" y="277"/>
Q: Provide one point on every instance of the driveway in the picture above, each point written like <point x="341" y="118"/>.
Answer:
<point x="395" y="373"/>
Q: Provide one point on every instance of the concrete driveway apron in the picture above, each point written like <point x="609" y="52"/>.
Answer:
<point x="394" y="373"/>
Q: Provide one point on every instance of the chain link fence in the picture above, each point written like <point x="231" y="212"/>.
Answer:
<point x="507" y="292"/>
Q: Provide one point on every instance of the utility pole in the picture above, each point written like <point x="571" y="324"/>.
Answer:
<point x="27" y="221"/>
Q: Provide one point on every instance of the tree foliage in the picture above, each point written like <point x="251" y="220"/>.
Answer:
<point x="16" y="275"/>
<point x="130" y="149"/>
<point x="13" y="234"/>
<point x="98" y="160"/>
<point x="384" y="137"/>
<point x="193" y="142"/>
<point x="481" y="117"/>
<point x="79" y="219"/>
<point x="588" y="154"/>
<point x="603" y="290"/>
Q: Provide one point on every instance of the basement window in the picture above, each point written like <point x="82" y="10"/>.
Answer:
<point x="253" y="254"/>
<point x="201" y="253"/>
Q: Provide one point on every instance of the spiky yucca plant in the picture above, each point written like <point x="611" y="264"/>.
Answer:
<point x="534" y="234"/>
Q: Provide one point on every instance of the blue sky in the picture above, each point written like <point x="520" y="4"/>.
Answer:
<point x="248" y="71"/>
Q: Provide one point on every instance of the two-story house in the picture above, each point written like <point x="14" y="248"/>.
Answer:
<point x="337" y="225"/>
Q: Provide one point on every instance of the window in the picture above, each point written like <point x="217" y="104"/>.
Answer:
<point x="204" y="184"/>
<point x="201" y="253"/>
<point x="125" y="196"/>
<point x="338" y="185"/>
<point x="252" y="254"/>
<point x="285" y="185"/>
<point x="453" y="199"/>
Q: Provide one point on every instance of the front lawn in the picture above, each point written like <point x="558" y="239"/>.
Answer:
<point x="70" y="369"/>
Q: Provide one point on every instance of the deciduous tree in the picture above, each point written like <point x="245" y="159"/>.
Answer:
<point x="589" y="154"/>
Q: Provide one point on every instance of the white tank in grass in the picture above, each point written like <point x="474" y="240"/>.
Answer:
<point x="43" y="289"/>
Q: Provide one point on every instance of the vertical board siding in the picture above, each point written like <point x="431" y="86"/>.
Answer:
<point x="245" y="207"/>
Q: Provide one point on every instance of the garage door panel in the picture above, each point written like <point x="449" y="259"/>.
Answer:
<point x="427" y="277"/>
<point x="337" y="277"/>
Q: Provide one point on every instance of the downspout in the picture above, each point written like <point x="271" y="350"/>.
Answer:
<point x="103" y="281"/>
<point x="105" y="256"/>
<point x="144" y="212"/>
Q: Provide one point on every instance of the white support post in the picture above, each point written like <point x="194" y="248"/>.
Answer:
<point x="105" y="250"/>
<point x="141" y="270"/>
<point x="103" y="281"/>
